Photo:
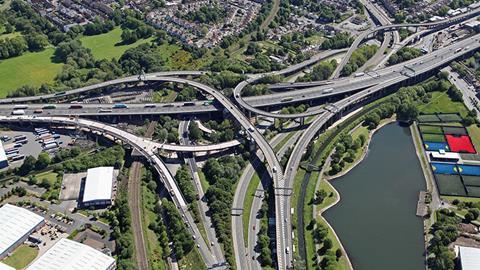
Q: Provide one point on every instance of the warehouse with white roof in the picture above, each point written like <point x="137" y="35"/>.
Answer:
<point x="469" y="258"/>
<point x="16" y="224"/>
<point x="5" y="267"/>
<point x="68" y="254"/>
<point x="98" y="187"/>
<point x="3" y="157"/>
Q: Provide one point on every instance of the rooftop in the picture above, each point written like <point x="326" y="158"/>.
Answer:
<point x="98" y="185"/>
<point x="3" y="156"/>
<point x="16" y="222"/>
<point x="68" y="254"/>
<point x="469" y="258"/>
<point x="5" y="267"/>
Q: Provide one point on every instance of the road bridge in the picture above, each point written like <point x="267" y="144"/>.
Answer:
<point x="391" y="27"/>
<point x="147" y="149"/>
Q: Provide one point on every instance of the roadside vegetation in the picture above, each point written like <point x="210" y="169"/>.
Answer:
<point x="404" y="54"/>
<point x="222" y="174"/>
<point x="320" y="72"/>
<point x="359" y="58"/>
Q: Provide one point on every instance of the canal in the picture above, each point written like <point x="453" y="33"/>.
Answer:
<point x="375" y="218"/>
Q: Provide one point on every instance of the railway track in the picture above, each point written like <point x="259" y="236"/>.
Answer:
<point x="135" y="204"/>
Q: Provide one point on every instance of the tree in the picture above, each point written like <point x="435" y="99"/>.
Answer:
<point x="407" y="112"/>
<point x="320" y="195"/>
<point x="195" y="132"/>
<point x="338" y="253"/>
<point x="327" y="243"/>
<point x="43" y="161"/>
<point x="27" y="166"/>
<point x="37" y="42"/>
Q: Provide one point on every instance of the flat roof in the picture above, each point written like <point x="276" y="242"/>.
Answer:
<point x="68" y="254"/>
<point x="5" y="267"/>
<point x="3" y="156"/>
<point x="469" y="258"/>
<point x="449" y="155"/>
<point x="15" y="223"/>
<point x="98" y="185"/>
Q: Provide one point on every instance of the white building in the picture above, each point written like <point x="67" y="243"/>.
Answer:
<point x="469" y="258"/>
<point x="3" y="157"/>
<point x="68" y="254"/>
<point x="98" y="187"/>
<point x="16" y="224"/>
<point x="5" y="267"/>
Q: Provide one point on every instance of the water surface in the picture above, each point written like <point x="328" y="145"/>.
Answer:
<point x="375" y="218"/>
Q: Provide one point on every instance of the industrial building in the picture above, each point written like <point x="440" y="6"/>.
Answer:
<point x="98" y="187"/>
<point x="3" y="157"/>
<point x="16" y="225"/>
<point x="68" y="254"/>
<point x="5" y="267"/>
<point x="469" y="258"/>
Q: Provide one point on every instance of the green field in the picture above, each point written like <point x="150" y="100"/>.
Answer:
<point x="450" y="185"/>
<point x="430" y="129"/>
<point x="441" y="103"/>
<point x="28" y="69"/>
<point x="433" y="137"/>
<point x="21" y="257"/>
<point x="107" y="46"/>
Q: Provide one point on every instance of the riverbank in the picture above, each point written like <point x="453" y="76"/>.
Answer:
<point x="363" y="150"/>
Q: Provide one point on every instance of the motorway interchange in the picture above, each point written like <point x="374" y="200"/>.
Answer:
<point x="358" y="90"/>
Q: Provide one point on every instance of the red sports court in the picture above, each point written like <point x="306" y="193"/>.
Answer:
<point x="460" y="144"/>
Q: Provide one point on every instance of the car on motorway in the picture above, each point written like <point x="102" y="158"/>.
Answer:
<point x="168" y="105"/>
<point x="76" y="106"/>
<point x="38" y="111"/>
<point x="20" y="106"/>
<point x="104" y="110"/>
<point x="120" y="106"/>
<point x="18" y="112"/>
<point x="150" y="106"/>
<point x="49" y="107"/>
<point x="251" y="129"/>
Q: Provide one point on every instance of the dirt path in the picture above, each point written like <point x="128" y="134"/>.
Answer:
<point x="135" y="205"/>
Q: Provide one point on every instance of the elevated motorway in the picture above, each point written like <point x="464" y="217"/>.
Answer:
<point x="336" y="109"/>
<point x="148" y="149"/>
<point x="403" y="70"/>
<point x="430" y="25"/>
<point x="89" y="88"/>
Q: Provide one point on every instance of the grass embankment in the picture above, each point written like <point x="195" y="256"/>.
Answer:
<point x="21" y="257"/>
<point x="203" y="181"/>
<point x="109" y="45"/>
<point x="247" y="203"/>
<point x="29" y="69"/>
<point x="192" y="260"/>
<point x="166" y="95"/>
<point x="154" y="249"/>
